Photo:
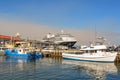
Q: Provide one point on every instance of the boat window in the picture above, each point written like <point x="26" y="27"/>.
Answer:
<point x="26" y="49"/>
<point x="13" y="50"/>
<point x="95" y="51"/>
<point x="86" y="51"/>
<point x="103" y="50"/>
<point x="4" y="48"/>
<point x="92" y="51"/>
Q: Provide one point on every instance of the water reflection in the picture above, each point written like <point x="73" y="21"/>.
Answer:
<point x="20" y="63"/>
<point x="15" y="59"/>
<point x="52" y="60"/>
<point x="56" y="68"/>
<point x="118" y="67"/>
<point x="97" y="70"/>
<point x="20" y="60"/>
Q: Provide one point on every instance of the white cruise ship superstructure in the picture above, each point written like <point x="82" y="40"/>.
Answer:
<point x="60" y="39"/>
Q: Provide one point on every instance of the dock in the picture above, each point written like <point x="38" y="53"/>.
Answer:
<point x="117" y="59"/>
<point x="57" y="53"/>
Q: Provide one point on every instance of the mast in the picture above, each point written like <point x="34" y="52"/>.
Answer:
<point x="95" y="36"/>
<point x="11" y="40"/>
<point x="62" y="31"/>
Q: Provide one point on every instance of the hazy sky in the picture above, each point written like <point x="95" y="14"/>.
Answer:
<point x="36" y="18"/>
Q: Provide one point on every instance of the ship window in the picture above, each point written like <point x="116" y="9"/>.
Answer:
<point x="92" y="51"/>
<point x="95" y="51"/>
<point x="84" y="47"/>
<point x="86" y="51"/>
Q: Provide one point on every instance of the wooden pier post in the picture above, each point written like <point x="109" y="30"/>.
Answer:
<point x="117" y="59"/>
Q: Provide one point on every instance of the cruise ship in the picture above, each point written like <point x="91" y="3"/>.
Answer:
<point x="60" y="39"/>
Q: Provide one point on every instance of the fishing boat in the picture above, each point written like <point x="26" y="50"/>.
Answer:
<point x="22" y="52"/>
<point x="94" y="53"/>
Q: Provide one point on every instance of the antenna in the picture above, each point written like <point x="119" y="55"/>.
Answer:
<point x="62" y="31"/>
<point x="95" y="34"/>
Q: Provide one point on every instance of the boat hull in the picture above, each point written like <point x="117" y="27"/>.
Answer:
<point x="15" y="54"/>
<point x="92" y="58"/>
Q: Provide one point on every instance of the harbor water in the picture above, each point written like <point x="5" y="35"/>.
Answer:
<point x="56" y="69"/>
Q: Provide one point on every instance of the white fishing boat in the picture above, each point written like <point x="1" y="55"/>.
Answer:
<point x="97" y="53"/>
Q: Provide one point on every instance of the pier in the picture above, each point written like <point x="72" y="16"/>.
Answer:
<point x="57" y="53"/>
<point x="117" y="59"/>
<point x="54" y="45"/>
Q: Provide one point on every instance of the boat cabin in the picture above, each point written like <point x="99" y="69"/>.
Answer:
<point x="94" y="49"/>
<point x="3" y="48"/>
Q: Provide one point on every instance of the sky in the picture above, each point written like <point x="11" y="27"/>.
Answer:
<point x="80" y="18"/>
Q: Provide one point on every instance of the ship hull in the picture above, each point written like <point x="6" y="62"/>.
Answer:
<point x="92" y="58"/>
<point x="68" y="44"/>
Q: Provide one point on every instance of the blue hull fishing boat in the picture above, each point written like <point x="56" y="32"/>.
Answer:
<point x="22" y="53"/>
